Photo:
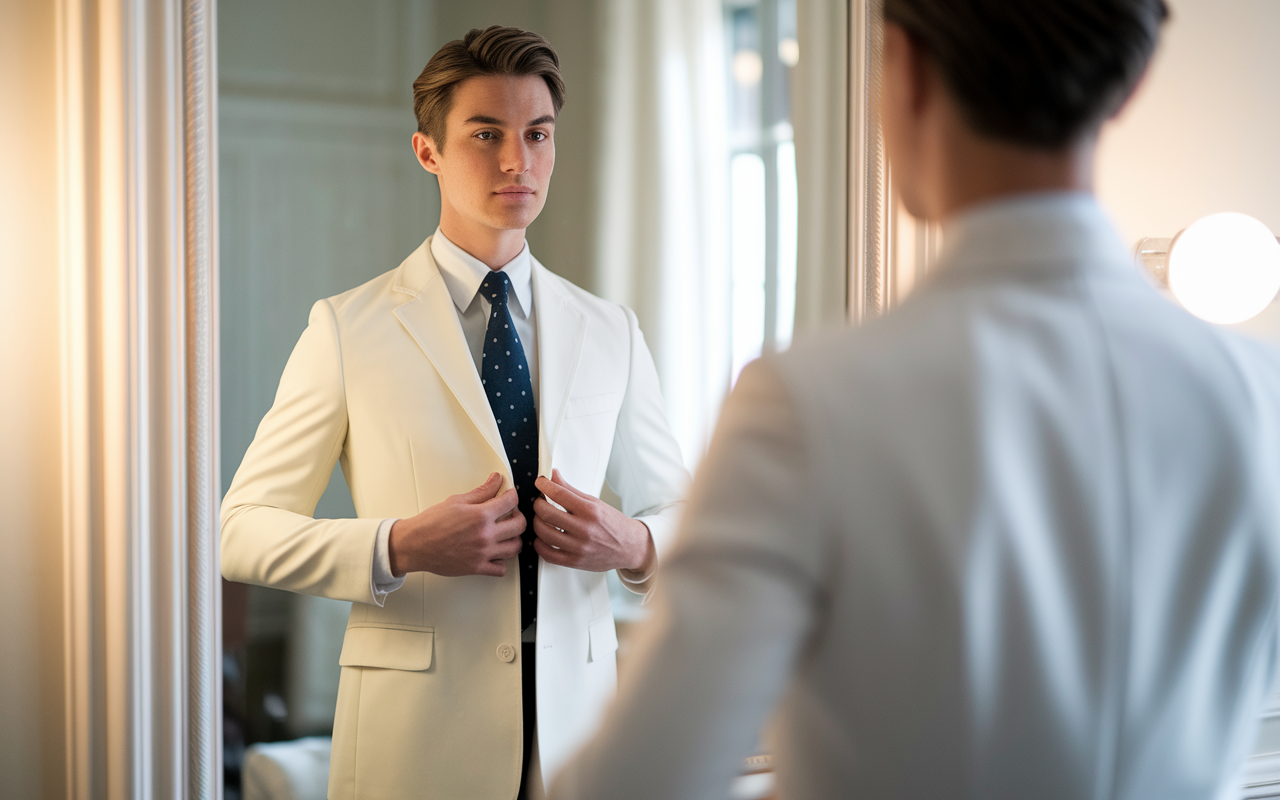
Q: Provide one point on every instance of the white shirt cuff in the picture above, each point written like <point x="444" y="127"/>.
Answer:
<point x="382" y="582"/>
<point x="639" y="582"/>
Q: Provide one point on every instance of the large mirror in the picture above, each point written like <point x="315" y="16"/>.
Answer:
<point x="677" y="191"/>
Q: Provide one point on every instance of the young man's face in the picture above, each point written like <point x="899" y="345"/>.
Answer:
<point x="498" y="153"/>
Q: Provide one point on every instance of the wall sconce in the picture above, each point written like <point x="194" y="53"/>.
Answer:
<point x="1224" y="268"/>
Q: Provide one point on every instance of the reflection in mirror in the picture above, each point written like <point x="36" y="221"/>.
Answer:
<point x="676" y="192"/>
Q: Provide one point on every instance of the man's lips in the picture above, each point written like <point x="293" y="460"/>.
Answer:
<point x="515" y="190"/>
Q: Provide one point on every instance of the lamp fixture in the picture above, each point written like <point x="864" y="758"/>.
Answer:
<point x="1224" y="268"/>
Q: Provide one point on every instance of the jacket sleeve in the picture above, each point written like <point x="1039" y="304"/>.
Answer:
<point x="737" y="598"/>
<point x="645" y="467"/>
<point x="269" y="537"/>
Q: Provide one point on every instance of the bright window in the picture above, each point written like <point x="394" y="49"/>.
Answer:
<point x="762" y="49"/>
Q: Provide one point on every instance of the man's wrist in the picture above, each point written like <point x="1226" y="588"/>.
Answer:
<point x="394" y="553"/>
<point x="648" y="553"/>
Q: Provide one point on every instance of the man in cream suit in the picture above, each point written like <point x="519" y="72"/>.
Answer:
<point x="461" y="393"/>
<point x="1018" y="538"/>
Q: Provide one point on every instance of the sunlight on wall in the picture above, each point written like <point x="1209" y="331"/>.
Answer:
<point x="31" y="708"/>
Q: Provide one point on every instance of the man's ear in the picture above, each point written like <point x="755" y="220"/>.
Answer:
<point x="904" y="96"/>
<point x="894" y="73"/>
<point x="424" y="147"/>
<point x="920" y="78"/>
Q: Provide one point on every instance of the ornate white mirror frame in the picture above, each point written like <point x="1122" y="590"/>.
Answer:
<point x="136" y="96"/>
<point x="870" y="203"/>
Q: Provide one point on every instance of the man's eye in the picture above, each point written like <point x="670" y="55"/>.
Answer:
<point x="538" y="136"/>
<point x="485" y="135"/>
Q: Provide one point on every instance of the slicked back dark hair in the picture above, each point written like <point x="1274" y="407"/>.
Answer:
<point x="496" y="50"/>
<point x="1038" y="73"/>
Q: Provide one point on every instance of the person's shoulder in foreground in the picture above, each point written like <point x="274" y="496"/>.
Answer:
<point x="1017" y="539"/>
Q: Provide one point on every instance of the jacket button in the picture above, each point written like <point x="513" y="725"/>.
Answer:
<point x="506" y="653"/>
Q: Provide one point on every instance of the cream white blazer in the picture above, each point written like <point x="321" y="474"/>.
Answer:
<point x="1016" y="539"/>
<point x="382" y="381"/>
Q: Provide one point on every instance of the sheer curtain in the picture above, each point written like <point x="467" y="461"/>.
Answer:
<point x="663" y="197"/>
<point x="820" y="117"/>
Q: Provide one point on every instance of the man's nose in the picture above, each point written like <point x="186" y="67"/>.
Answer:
<point x="515" y="156"/>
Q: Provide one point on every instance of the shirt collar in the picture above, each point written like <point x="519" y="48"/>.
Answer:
<point x="463" y="273"/>
<point x="1042" y="228"/>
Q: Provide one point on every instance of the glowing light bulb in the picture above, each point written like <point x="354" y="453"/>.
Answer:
<point x="1225" y="268"/>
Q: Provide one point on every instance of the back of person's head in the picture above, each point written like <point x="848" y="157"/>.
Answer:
<point x="1037" y="73"/>
<point x="496" y="50"/>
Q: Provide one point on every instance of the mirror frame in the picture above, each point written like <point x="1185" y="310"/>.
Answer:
<point x="137" y="145"/>
<point x="870" y="204"/>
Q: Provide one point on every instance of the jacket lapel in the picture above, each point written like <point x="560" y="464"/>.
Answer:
<point x="562" y="329"/>
<point x="432" y="320"/>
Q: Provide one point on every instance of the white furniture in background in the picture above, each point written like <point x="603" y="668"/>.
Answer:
<point x="294" y="770"/>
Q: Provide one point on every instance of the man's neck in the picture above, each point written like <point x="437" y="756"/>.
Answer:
<point x="494" y="248"/>
<point x="977" y="169"/>
<point x="1017" y="172"/>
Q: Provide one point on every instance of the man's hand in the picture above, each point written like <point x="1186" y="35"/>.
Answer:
<point x="468" y="534"/>
<point x="589" y="534"/>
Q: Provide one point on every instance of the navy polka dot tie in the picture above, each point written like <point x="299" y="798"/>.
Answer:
<point x="505" y="375"/>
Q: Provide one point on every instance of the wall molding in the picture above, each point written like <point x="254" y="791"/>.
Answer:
<point x="313" y="119"/>
<point x="259" y="71"/>
<point x="139" y="412"/>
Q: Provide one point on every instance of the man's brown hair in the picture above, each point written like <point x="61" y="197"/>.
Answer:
<point x="496" y="50"/>
<point x="1039" y="73"/>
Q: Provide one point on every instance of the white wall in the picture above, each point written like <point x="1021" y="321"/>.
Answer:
<point x="1202" y="134"/>
<point x="31" y="709"/>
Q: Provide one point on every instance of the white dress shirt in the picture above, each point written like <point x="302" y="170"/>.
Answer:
<point x="463" y="273"/>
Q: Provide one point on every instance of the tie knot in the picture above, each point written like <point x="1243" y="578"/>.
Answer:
<point x="495" y="286"/>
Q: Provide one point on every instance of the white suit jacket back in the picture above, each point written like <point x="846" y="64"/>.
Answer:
<point x="1017" y="539"/>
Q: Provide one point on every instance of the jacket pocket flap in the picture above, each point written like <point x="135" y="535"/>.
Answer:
<point x="603" y="637"/>
<point x="388" y="648"/>
<point x="592" y="404"/>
